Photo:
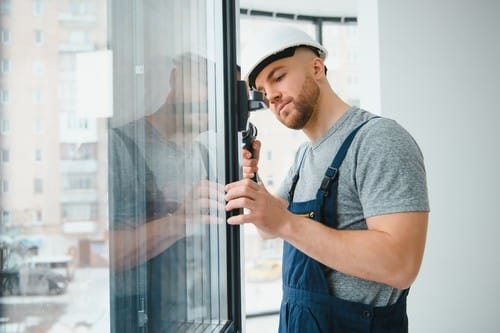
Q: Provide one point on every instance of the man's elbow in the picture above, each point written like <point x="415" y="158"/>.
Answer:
<point x="404" y="276"/>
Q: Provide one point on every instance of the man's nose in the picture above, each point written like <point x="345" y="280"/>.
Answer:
<point x="274" y="96"/>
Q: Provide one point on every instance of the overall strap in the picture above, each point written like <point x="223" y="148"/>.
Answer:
<point x="296" y="178"/>
<point x="329" y="184"/>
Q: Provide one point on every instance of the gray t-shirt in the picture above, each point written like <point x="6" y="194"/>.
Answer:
<point x="383" y="172"/>
<point x="150" y="177"/>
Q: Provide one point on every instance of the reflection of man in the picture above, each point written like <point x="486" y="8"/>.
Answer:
<point x="156" y="175"/>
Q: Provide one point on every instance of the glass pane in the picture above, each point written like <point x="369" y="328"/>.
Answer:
<point x="111" y="155"/>
<point x="341" y="41"/>
<point x="54" y="254"/>
<point x="167" y="219"/>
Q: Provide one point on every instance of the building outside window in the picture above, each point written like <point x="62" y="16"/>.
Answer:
<point x="37" y="7"/>
<point x="37" y="217"/>
<point x="38" y="126"/>
<point x="38" y="155"/>
<point x="38" y="96"/>
<point x="38" y="185"/>
<point x="5" y="217"/>
<point x="5" y="156"/>
<point x="6" y="64"/>
<point x="4" y="96"/>
<point x="5" y="36"/>
<point x="38" y="67"/>
<point x="5" y="7"/>
<point x="5" y="126"/>
<point x="38" y="37"/>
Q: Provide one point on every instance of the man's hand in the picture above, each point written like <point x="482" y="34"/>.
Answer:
<point x="204" y="204"/>
<point x="267" y="212"/>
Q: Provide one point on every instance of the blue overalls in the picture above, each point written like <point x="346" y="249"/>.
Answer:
<point x="307" y="306"/>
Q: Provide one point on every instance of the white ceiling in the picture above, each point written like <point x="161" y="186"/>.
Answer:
<point x="305" y="7"/>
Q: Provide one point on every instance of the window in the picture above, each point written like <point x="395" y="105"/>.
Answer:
<point x="78" y="37"/>
<point x="5" y="126"/>
<point x="38" y="37"/>
<point x="37" y="217"/>
<point x="80" y="193"/>
<point x="5" y="36"/>
<point x="270" y="181"/>
<point x="5" y="186"/>
<point x="344" y="63"/>
<point x="5" y="7"/>
<point x="187" y="277"/>
<point x="5" y="66"/>
<point x="5" y="156"/>
<point x="78" y="212"/>
<point x="38" y="97"/>
<point x="79" y="7"/>
<point x="38" y="155"/>
<point x="38" y="67"/>
<point x="73" y="151"/>
<point x="37" y="7"/>
<point x="38" y="185"/>
<point x="4" y="96"/>
<point x="77" y="123"/>
<point x="38" y="126"/>
<point x="79" y="182"/>
<point x="5" y="217"/>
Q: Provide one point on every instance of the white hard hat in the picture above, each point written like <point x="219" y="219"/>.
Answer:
<point x="273" y="44"/>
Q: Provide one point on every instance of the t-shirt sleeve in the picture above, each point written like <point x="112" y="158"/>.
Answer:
<point x="125" y="200"/>
<point x="390" y="172"/>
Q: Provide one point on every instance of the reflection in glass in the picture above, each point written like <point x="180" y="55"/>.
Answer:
<point x="161" y="194"/>
<point x="167" y="230"/>
<point x="110" y="216"/>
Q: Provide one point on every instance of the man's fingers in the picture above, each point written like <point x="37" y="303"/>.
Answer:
<point x="239" y="219"/>
<point x="245" y="183"/>
<point x="240" y="203"/>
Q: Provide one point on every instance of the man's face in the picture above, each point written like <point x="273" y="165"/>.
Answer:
<point x="188" y="97"/>
<point x="290" y="89"/>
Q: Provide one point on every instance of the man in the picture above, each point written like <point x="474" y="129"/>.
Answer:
<point x="353" y="208"/>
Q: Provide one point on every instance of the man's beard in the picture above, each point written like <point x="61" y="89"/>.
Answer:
<point x="304" y="105"/>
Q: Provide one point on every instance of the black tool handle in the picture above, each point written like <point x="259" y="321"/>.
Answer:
<point x="248" y="136"/>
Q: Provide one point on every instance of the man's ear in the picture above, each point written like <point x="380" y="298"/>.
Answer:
<point x="318" y="67"/>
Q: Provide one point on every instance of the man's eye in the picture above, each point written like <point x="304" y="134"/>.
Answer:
<point x="280" y="77"/>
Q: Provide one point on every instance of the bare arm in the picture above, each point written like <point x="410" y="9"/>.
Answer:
<point x="133" y="246"/>
<point x="390" y="251"/>
<point x="155" y="236"/>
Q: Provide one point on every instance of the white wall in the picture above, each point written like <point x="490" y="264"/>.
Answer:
<point x="440" y="78"/>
